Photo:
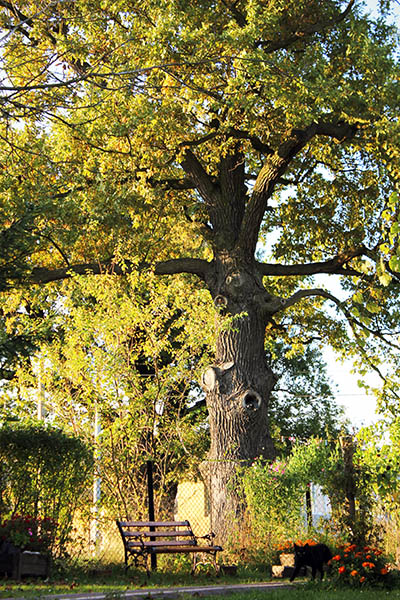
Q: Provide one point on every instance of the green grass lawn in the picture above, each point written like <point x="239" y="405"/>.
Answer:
<point x="300" y="592"/>
<point x="113" y="581"/>
<point x="305" y="593"/>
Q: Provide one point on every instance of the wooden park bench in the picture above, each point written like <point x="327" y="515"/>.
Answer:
<point x="143" y="538"/>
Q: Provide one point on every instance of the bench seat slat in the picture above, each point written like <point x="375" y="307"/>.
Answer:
<point x="186" y="549"/>
<point x="191" y="548"/>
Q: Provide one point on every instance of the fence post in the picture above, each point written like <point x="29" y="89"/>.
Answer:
<point x="309" y="507"/>
<point x="150" y="494"/>
<point x="95" y="529"/>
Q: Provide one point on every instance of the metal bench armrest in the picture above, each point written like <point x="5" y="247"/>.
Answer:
<point x="209" y="537"/>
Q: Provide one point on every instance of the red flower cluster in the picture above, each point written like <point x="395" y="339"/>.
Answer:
<point x="29" y="533"/>
<point x="288" y="545"/>
<point x="358" y="566"/>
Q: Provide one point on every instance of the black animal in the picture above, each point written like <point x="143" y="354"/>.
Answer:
<point x="311" y="556"/>
<point x="8" y="558"/>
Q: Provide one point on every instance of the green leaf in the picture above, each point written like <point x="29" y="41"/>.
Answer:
<point x="385" y="279"/>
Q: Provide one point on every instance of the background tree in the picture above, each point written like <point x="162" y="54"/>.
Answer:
<point x="182" y="136"/>
<point x="303" y="403"/>
<point x="123" y="360"/>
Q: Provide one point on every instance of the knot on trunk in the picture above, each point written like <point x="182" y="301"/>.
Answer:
<point x="212" y="374"/>
<point x="268" y="303"/>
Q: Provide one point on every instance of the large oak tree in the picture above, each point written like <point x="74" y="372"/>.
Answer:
<point x="250" y="143"/>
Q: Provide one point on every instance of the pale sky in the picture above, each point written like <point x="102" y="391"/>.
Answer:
<point x="360" y="407"/>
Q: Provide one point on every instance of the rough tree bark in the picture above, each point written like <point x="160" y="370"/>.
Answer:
<point x="238" y="387"/>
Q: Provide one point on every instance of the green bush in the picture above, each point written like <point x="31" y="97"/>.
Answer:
<point x="43" y="476"/>
<point x="274" y="494"/>
<point x="275" y="498"/>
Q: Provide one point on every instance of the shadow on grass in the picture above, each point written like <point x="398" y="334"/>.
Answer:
<point x="92" y="577"/>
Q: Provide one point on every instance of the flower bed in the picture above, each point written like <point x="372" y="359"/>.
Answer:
<point x="25" y="546"/>
<point x="35" y="534"/>
<point x="359" y="566"/>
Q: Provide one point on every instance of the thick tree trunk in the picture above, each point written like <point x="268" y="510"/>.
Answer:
<point x="238" y="387"/>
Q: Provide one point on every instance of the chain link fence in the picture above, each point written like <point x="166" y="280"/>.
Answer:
<point x="99" y="539"/>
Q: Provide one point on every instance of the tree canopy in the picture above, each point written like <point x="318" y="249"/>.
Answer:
<point x="119" y="126"/>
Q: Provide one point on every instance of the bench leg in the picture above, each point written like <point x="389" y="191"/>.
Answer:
<point x="194" y="563"/>
<point x="206" y="560"/>
<point x="136" y="558"/>
<point x="126" y="562"/>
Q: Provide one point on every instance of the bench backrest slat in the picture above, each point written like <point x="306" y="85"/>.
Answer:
<point x="163" y="544"/>
<point x="163" y="534"/>
<point x="154" y="524"/>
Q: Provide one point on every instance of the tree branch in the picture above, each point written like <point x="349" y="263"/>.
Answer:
<point x="334" y="266"/>
<point x="300" y="294"/>
<point x="237" y="15"/>
<point x="185" y="183"/>
<point x="195" y="170"/>
<point x="256" y="143"/>
<point x="275" y="166"/>
<point x="47" y="275"/>
<point x="196" y="266"/>
<point x="272" y="46"/>
<point x="56" y="246"/>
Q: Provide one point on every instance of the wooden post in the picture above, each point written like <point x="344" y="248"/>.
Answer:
<point x="348" y="449"/>
<point x="309" y="507"/>
<point x="150" y="493"/>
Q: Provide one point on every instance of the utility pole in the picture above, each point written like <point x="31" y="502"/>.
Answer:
<point x="95" y="532"/>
